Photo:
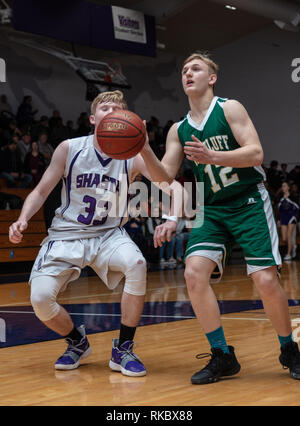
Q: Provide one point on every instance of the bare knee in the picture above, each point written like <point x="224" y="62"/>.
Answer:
<point x="196" y="279"/>
<point x="266" y="282"/>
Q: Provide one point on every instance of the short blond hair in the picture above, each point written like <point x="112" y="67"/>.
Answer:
<point x="203" y="56"/>
<point x="116" y="97"/>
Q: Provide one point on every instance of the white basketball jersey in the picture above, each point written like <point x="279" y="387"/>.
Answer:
<point x="94" y="196"/>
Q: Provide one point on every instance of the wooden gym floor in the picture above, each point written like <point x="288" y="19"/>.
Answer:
<point x="168" y="339"/>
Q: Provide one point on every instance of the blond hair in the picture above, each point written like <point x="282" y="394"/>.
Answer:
<point x="116" y="97"/>
<point x="203" y="56"/>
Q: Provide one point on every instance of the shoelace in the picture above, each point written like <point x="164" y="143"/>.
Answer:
<point x="213" y="363"/>
<point x="129" y="352"/>
<point x="204" y="355"/>
<point x="71" y="349"/>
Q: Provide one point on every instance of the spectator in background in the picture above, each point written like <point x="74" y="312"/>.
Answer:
<point x="45" y="148"/>
<point x="25" y="114"/>
<point x="10" y="131"/>
<point x="166" y="251"/>
<point x="34" y="163"/>
<point x="284" y="175"/>
<point x="288" y="211"/>
<point x="11" y="167"/>
<point x="70" y="128"/>
<point x="181" y="238"/>
<point x="84" y="126"/>
<point x="295" y="175"/>
<point x="41" y="126"/>
<point x="273" y="178"/>
<point x="166" y="129"/>
<point x="134" y="228"/>
<point x="54" y="119"/>
<point x="4" y="105"/>
<point x="59" y="133"/>
<point x="24" y="145"/>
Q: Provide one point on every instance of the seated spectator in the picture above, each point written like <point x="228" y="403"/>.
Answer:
<point x="284" y="174"/>
<point x="166" y="258"/>
<point x="41" y="126"/>
<point x="24" y="145"/>
<point x="25" y="114"/>
<point x="34" y="163"/>
<point x="181" y="238"/>
<point x="10" y="131"/>
<point x="288" y="211"/>
<point x="134" y="228"/>
<point x="11" y="167"/>
<point x="45" y="148"/>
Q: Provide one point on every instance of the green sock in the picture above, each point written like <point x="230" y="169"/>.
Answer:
<point x="217" y="339"/>
<point x="285" y="339"/>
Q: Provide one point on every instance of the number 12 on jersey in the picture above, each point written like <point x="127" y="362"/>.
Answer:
<point x="226" y="181"/>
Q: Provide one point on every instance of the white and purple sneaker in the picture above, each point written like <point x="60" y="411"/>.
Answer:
<point x="74" y="353"/>
<point x="125" y="361"/>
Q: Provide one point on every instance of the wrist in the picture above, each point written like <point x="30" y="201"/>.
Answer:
<point x="172" y="218"/>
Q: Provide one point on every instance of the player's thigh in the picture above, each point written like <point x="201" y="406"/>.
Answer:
<point x="210" y="241"/>
<point x="117" y="257"/>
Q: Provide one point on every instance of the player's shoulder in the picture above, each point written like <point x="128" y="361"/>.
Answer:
<point x="234" y="110"/>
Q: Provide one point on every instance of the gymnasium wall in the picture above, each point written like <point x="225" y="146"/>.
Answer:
<point x="255" y="70"/>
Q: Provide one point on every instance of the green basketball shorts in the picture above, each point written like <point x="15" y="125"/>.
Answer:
<point x="250" y="223"/>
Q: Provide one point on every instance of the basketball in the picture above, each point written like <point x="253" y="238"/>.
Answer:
<point x="121" y="134"/>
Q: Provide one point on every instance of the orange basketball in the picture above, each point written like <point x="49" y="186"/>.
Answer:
<point x="121" y="134"/>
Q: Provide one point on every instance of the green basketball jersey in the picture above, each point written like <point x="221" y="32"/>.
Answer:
<point x="220" y="183"/>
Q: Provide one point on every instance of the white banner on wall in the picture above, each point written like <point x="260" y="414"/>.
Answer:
<point x="129" y="25"/>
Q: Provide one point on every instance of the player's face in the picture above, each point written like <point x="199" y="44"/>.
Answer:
<point x="102" y="109"/>
<point x="196" y="77"/>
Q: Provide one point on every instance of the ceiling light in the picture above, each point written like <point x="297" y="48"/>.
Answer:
<point x="230" y="7"/>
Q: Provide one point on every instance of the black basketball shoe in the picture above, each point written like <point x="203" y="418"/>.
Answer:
<point x="221" y="364"/>
<point x="290" y="358"/>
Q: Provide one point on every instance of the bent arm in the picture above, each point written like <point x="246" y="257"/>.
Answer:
<point x="250" y="152"/>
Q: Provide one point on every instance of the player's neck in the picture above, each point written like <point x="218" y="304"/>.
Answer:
<point x="199" y="105"/>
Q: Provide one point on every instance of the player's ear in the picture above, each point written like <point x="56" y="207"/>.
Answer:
<point x="212" y="79"/>
<point x="92" y="119"/>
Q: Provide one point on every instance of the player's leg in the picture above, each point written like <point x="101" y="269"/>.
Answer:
<point x="276" y="308"/>
<point x="44" y="291"/>
<point x="50" y="275"/>
<point x="254" y="228"/>
<point x="197" y="275"/>
<point x="119" y="256"/>
<point x="205" y="259"/>
<point x="128" y="259"/>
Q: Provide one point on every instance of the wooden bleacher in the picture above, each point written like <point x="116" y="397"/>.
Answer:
<point x="29" y="247"/>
